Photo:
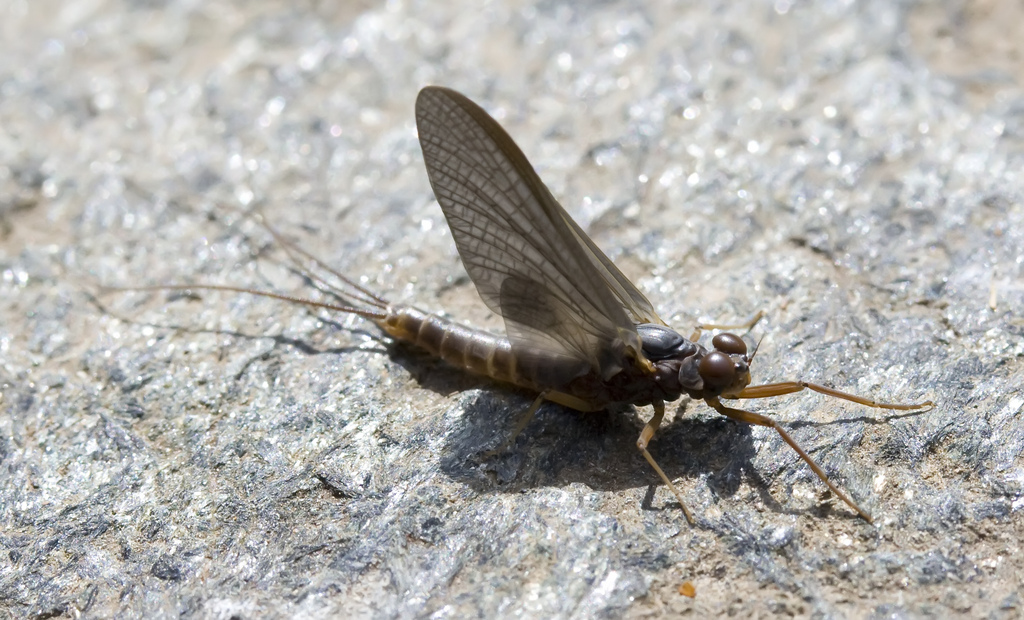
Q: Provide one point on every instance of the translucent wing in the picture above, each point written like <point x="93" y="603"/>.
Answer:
<point x="558" y="293"/>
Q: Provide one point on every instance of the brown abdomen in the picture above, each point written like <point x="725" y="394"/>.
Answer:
<point x="471" y="349"/>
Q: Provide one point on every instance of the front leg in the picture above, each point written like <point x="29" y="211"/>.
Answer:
<point x="789" y="387"/>
<point x="761" y="420"/>
<point x="746" y="325"/>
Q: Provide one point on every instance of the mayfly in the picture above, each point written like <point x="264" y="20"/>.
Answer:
<point x="579" y="333"/>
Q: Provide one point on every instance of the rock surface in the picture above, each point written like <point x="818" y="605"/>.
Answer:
<point x="853" y="169"/>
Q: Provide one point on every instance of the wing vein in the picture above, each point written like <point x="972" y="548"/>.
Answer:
<point x="559" y="294"/>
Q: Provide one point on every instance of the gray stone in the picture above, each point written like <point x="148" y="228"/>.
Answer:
<point x="853" y="169"/>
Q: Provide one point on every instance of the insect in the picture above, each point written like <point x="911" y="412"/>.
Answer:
<point x="579" y="333"/>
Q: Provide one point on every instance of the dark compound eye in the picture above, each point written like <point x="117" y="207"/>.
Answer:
<point x="717" y="370"/>
<point x="729" y="343"/>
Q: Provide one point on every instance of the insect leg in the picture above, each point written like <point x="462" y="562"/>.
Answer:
<point x="645" y="437"/>
<point x="789" y="387"/>
<point x="761" y="420"/>
<point x="561" y="398"/>
<point x="523" y="422"/>
<point x="741" y="326"/>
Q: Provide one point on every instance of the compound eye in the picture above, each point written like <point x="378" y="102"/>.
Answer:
<point x="729" y="343"/>
<point x="717" y="370"/>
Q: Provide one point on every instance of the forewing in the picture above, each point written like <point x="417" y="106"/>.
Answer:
<point x="635" y="302"/>
<point x="558" y="293"/>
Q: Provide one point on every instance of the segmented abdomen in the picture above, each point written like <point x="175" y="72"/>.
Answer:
<point x="566" y="381"/>
<point x="463" y="347"/>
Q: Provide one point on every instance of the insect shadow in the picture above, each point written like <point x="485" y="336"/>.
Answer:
<point x="562" y="447"/>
